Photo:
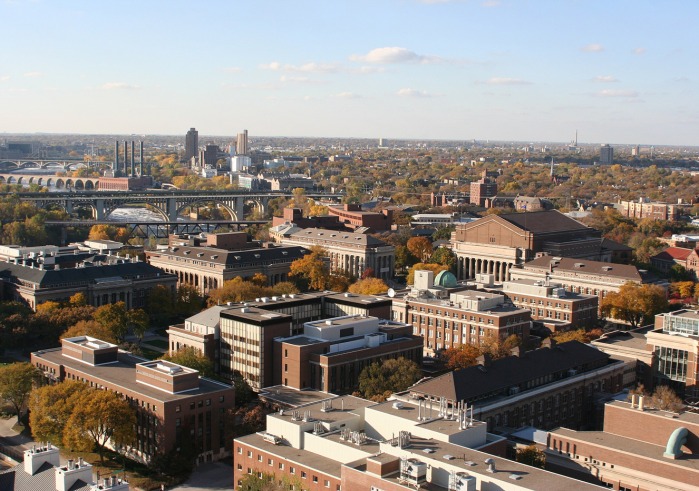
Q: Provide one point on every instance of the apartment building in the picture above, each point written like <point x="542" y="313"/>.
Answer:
<point x="349" y="444"/>
<point x="172" y="402"/>
<point x="644" y="208"/>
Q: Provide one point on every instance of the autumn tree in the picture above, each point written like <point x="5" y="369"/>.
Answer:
<point x="369" y="286"/>
<point x="580" y="335"/>
<point x="114" y="317"/>
<point x="420" y="247"/>
<point x="90" y="328"/>
<point x="191" y="357"/>
<point x="666" y="399"/>
<point x="532" y="456"/>
<point x="237" y="290"/>
<point x="108" y="232"/>
<point x="463" y="356"/>
<point x="636" y="304"/>
<point x="100" y="416"/>
<point x="16" y="382"/>
<point x="380" y="380"/>
<point x="311" y="269"/>
<point x="50" y="407"/>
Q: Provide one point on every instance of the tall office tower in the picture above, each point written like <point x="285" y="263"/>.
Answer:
<point x="140" y="158"/>
<point x="242" y="144"/>
<point x="191" y="144"/>
<point x="133" y="170"/>
<point x="606" y="154"/>
<point x="126" y="158"/>
<point x="636" y="151"/>
<point x="116" y="156"/>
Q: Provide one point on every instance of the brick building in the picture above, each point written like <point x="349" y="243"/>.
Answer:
<point x="687" y="258"/>
<point x="483" y="189"/>
<point x="349" y="444"/>
<point x="331" y="353"/>
<point x="450" y="319"/>
<point x="644" y="208"/>
<point x="172" y="402"/>
<point x="548" y="387"/>
<point x="352" y="216"/>
<point x="639" y="448"/>
<point x="497" y="243"/>
<point x="239" y="337"/>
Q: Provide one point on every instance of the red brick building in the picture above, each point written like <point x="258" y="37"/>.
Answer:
<point x="639" y="448"/>
<point x="172" y="402"/>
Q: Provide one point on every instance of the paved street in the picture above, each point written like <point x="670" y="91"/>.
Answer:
<point x="215" y="476"/>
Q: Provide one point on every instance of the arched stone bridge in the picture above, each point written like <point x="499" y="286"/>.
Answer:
<point x="168" y="204"/>
<point x="62" y="164"/>
<point x="48" y="180"/>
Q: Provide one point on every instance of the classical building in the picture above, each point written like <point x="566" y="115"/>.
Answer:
<point x="172" y="402"/>
<point x="239" y="337"/>
<point x="330" y="354"/>
<point x="41" y="469"/>
<point x="639" y="448"/>
<point x="579" y="275"/>
<point x="349" y="252"/>
<point x="551" y="305"/>
<point x="448" y="318"/>
<point x="221" y="258"/>
<point x="675" y="345"/>
<point x="555" y="385"/>
<point x="350" y="444"/>
<point x="497" y="243"/>
<point x="102" y="278"/>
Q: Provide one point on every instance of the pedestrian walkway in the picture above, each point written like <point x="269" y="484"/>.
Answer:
<point x="13" y="444"/>
<point x="212" y="476"/>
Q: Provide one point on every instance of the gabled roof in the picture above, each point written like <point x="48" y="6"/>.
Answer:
<point x="474" y="382"/>
<point x="209" y="317"/>
<point x="568" y="264"/>
<point x="544" y="222"/>
<point x="47" y="278"/>
<point x="338" y="237"/>
<point x="673" y="254"/>
<point x="44" y="479"/>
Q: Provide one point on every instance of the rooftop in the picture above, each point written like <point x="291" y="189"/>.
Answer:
<point x="584" y="266"/>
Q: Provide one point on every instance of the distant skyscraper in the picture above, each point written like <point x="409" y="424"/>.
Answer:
<point x="606" y="154"/>
<point x="242" y="143"/>
<point x="636" y="151"/>
<point x="191" y="144"/>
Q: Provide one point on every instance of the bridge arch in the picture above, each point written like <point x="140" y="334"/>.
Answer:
<point x="11" y="180"/>
<point x="222" y="204"/>
<point x="29" y="165"/>
<point x="8" y="164"/>
<point x="60" y="183"/>
<point x="109" y="210"/>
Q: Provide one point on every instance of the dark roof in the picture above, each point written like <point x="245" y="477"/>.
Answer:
<point x="47" y="278"/>
<point x="231" y="259"/>
<point x="544" y="222"/>
<point x="613" y="245"/>
<point x="337" y="237"/>
<point x="474" y="382"/>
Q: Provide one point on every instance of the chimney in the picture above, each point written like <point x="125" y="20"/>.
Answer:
<point x="484" y="359"/>
<point x="36" y="457"/>
<point x="516" y="351"/>
<point x="640" y="403"/>
<point x="67" y="476"/>
<point x="548" y="343"/>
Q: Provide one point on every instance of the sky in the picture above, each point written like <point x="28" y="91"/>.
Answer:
<point x="617" y="71"/>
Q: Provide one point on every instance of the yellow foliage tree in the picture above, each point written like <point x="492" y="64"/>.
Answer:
<point x="369" y="286"/>
<point x="436" y="268"/>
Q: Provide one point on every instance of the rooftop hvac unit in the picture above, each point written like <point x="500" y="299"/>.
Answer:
<point x="413" y="471"/>
<point x="461" y="481"/>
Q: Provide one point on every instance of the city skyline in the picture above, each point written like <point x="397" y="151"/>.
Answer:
<point x="620" y="72"/>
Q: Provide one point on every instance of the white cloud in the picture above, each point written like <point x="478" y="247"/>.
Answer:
<point x="605" y="79"/>
<point x="233" y="69"/>
<point x="4" y="78"/>
<point x="119" y="86"/>
<point x="298" y="80"/>
<point x="593" y="48"/>
<point x="639" y="51"/>
<point x="348" y="95"/>
<point x="507" y="81"/>
<point x="413" y="93"/>
<point x="33" y="74"/>
<point x="617" y="93"/>
<point x="394" y="55"/>
<point x="310" y="67"/>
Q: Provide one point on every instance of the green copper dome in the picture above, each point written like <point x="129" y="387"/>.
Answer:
<point x="445" y="279"/>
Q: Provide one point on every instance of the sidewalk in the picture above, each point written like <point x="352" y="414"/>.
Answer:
<point x="17" y="443"/>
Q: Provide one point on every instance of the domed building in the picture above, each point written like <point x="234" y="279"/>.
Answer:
<point x="445" y="279"/>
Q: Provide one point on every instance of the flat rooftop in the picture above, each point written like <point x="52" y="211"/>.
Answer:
<point x="631" y="340"/>
<point x="122" y="374"/>
<point x="409" y="412"/>
<point x="293" y="455"/>
<point x="290" y="397"/>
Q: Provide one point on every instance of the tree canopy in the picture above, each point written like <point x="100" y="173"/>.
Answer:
<point x="369" y="286"/>
<point x="312" y="269"/>
<point x="532" y="456"/>
<point x="191" y="357"/>
<point x="50" y="408"/>
<point x="16" y="382"/>
<point x="634" y="303"/>
<point x="380" y="380"/>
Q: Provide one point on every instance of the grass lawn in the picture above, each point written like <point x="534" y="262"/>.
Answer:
<point x="138" y="475"/>
<point x="158" y="343"/>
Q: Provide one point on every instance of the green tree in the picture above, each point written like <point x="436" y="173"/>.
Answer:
<point x="50" y="408"/>
<point x="100" y="416"/>
<point x="443" y="233"/>
<point x="532" y="456"/>
<point x="445" y="257"/>
<point x="16" y="382"/>
<point x="114" y="317"/>
<point x="138" y="322"/>
<point x="191" y="357"/>
<point x="634" y="303"/>
<point x="243" y="392"/>
<point x="380" y="380"/>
